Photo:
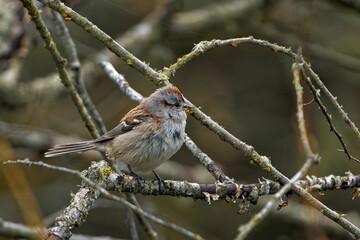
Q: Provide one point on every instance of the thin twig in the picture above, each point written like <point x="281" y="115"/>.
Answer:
<point x="245" y="229"/>
<point x="204" y="46"/>
<point x="131" y="224"/>
<point x="102" y="173"/>
<point x="149" y="230"/>
<point x="123" y="183"/>
<point x="315" y="92"/>
<point x="300" y="110"/>
<point x="206" y="161"/>
<point x="332" y="99"/>
<point x="120" y="80"/>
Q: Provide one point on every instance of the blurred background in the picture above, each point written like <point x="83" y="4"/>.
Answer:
<point x="248" y="90"/>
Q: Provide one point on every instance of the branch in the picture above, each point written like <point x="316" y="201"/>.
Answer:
<point x="149" y="230"/>
<point x="105" y="178"/>
<point x="332" y="99"/>
<point x="296" y="68"/>
<point x="99" y="179"/>
<point x="324" y="111"/>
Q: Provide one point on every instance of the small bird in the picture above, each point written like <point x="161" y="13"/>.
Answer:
<point x="146" y="136"/>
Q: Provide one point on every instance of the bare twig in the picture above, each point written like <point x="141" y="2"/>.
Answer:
<point x="328" y="117"/>
<point x="300" y="111"/>
<point x="204" y="46"/>
<point x="120" y="80"/>
<point x="245" y="229"/>
<point x="313" y="49"/>
<point x="206" y="161"/>
<point x="149" y="230"/>
<point x="313" y="183"/>
<point x="333" y="99"/>
<point x="131" y="225"/>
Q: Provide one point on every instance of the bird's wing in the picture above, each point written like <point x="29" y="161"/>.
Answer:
<point x="125" y="125"/>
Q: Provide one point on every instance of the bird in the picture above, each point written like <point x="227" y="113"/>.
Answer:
<point x="147" y="136"/>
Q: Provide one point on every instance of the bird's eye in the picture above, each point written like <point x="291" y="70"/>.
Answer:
<point x="177" y="105"/>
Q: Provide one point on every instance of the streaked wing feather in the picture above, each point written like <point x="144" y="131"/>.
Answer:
<point x="124" y="126"/>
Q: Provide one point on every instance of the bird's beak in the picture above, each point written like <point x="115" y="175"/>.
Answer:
<point x="187" y="107"/>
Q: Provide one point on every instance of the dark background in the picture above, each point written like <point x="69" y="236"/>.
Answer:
<point x="248" y="90"/>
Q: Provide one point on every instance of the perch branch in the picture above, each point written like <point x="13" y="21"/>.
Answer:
<point x="121" y="182"/>
<point x="98" y="179"/>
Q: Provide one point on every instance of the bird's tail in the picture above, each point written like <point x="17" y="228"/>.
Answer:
<point x="70" y="148"/>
